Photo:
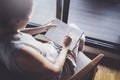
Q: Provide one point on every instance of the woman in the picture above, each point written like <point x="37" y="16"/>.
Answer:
<point x="20" y="52"/>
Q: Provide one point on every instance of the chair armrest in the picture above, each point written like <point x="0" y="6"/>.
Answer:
<point x="88" y="68"/>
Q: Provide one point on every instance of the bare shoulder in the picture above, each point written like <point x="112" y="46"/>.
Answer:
<point x="29" y="59"/>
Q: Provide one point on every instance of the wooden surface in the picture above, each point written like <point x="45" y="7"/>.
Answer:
<point x="106" y="73"/>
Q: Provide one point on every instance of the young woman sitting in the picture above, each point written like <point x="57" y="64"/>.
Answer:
<point x="21" y="53"/>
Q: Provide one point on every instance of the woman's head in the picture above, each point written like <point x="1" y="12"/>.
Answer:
<point x="14" y="11"/>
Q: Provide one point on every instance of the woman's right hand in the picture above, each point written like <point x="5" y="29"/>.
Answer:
<point x="67" y="41"/>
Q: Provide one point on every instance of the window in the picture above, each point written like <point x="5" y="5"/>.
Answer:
<point x="98" y="18"/>
<point x="43" y="11"/>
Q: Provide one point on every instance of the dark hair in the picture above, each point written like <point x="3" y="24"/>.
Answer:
<point x="13" y="9"/>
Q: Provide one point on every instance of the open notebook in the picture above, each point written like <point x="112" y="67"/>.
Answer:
<point x="58" y="33"/>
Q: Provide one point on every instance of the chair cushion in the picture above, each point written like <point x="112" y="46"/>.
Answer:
<point x="82" y="60"/>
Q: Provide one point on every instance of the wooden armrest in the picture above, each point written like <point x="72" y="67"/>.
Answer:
<point x="88" y="68"/>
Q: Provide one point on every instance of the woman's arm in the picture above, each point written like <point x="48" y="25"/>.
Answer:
<point x="28" y="59"/>
<point x="37" y="30"/>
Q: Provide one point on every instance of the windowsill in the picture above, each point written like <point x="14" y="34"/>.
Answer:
<point x="101" y="44"/>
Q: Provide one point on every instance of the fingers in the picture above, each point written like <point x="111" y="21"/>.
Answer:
<point x="50" y="25"/>
<point x="67" y="40"/>
<point x="69" y="35"/>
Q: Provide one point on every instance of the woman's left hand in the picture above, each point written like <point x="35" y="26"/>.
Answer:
<point x="49" y="26"/>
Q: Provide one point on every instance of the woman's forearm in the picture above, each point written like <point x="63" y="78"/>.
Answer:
<point x="62" y="56"/>
<point x="61" y="59"/>
<point x="36" y="30"/>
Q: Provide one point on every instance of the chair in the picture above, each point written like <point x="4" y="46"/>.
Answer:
<point x="86" y="67"/>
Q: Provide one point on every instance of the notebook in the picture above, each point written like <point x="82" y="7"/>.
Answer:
<point x="58" y="33"/>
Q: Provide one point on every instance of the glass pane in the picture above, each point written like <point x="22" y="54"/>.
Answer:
<point x="98" y="19"/>
<point x="43" y="11"/>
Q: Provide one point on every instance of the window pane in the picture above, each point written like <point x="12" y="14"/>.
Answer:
<point x="43" y="11"/>
<point x="98" y="18"/>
